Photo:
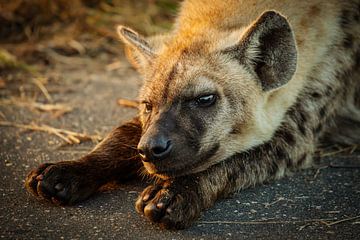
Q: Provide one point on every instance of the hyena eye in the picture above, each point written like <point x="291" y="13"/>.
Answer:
<point x="148" y="107"/>
<point x="206" y="100"/>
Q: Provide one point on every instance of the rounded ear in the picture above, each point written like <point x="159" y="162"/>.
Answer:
<point x="268" y="48"/>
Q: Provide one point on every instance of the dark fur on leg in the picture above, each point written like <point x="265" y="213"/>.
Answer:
<point x="69" y="182"/>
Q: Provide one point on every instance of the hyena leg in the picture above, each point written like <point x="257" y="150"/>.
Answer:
<point x="176" y="203"/>
<point x="68" y="182"/>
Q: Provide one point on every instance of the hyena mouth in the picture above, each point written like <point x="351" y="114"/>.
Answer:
<point x="181" y="166"/>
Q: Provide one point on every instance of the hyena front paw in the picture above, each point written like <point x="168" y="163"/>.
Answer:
<point x="173" y="207"/>
<point x="62" y="183"/>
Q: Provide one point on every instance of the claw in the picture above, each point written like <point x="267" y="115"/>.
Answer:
<point x="146" y="197"/>
<point x="59" y="187"/>
<point x="40" y="177"/>
<point x="55" y="183"/>
<point x="62" y="194"/>
<point x="153" y="213"/>
<point x="160" y="205"/>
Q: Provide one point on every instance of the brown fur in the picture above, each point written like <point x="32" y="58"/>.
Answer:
<point x="280" y="82"/>
<point x="69" y="182"/>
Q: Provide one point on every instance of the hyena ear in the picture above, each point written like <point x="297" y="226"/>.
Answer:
<point x="138" y="51"/>
<point x="268" y="48"/>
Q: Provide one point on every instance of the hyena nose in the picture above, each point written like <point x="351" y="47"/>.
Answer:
<point x="155" y="149"/>
<point x="161" y="149"/>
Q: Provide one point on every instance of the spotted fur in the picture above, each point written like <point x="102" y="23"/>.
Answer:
<point x="285" y="76"/>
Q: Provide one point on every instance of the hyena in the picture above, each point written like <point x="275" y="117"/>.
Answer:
<point x="239" y="93"/>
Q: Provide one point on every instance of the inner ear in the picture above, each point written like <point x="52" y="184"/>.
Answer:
<point x="133" y="39"/>
<point x="138" y="50"/>
<point x="268" y="48"/>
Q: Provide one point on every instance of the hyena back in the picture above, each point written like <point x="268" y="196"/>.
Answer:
<point x="237" y="94"/>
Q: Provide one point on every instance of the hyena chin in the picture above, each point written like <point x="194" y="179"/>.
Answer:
<point x="237" y="94"/>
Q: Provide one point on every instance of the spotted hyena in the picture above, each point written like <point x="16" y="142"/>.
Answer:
<point x="237" y="94"/>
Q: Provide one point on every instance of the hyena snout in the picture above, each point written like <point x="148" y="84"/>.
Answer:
<point x="155" y="147"/>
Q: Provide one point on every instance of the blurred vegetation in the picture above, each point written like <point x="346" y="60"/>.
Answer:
<point x="41" y="35"/>
<point x="22" y="20"/>
<point x="8" y="60"/>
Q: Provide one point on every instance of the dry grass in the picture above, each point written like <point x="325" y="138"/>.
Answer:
<point x="56" y="109"/>
<point x="335" y="150"/>
<point x="28" y="20"/>
<point x="42" y="33"/>
<point x="47" y="32"/>
<point x="9" y="61"/>
<point x="38" y="81"/>
<point x="32" y="20"/>
<point x="68" y="136"/>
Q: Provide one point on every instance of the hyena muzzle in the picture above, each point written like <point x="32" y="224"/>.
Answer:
<point x="237" y="94"/>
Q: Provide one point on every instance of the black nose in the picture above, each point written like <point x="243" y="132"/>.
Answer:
<point x="155" y="149"/>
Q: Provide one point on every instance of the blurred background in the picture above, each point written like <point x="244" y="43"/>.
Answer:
<point x="74" y="27"/>
<point x="52" y="48"/>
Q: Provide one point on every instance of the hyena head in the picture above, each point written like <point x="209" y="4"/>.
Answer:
<point x="205" y="94"/>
